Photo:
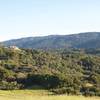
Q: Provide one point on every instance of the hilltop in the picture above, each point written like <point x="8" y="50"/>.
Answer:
<point x="81" y="40"/>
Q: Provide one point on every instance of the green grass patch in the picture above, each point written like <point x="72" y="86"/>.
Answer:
<point x="38" y="95"/>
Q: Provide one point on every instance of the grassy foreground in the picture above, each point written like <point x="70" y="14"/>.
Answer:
<point x="38" y="95"/>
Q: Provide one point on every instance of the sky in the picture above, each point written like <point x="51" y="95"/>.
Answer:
<point x="25" y="18"/>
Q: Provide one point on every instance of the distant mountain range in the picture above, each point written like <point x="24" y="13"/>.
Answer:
<point x="81" y="40"/>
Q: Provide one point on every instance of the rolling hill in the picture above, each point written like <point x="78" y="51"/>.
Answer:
<point x="81" y="40"/>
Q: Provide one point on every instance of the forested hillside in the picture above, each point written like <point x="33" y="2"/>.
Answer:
<point x="83" y="40"/>
<point x="63" y="71"/>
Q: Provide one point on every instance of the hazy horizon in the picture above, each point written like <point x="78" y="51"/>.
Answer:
<point x="41" y="36"/>
<point x="25" y="36"/>
<point x="31" y="18"/>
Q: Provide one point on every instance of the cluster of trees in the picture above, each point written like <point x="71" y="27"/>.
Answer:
<point x="62" y="71"/>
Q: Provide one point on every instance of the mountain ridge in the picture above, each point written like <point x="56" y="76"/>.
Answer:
<point x="80" y="40"/>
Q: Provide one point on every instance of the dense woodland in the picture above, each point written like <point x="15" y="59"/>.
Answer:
<point x="75" y="72"/>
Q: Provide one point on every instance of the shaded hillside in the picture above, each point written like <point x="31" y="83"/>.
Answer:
<point x="82" y="40"/>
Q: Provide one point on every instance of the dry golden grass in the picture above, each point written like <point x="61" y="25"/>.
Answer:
<point x="38" y="95"/>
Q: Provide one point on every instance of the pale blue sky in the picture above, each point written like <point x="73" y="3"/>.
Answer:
<point x="22" y="18"/>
